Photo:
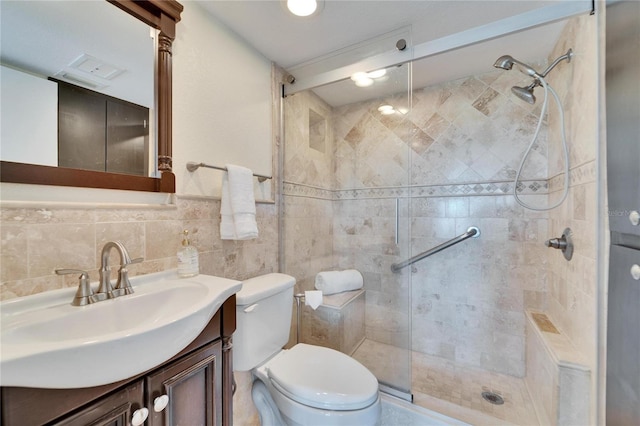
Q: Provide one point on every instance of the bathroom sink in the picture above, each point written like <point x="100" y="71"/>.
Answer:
<point x="47" y="343"/>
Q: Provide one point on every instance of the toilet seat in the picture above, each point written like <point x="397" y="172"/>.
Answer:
<point x="323" y="378"/>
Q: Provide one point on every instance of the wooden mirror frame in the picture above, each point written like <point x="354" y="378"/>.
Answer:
<point x="162" y="15"/>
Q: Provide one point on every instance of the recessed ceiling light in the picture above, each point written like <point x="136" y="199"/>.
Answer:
<point x="377" y="73"/>
<point x="304" y="7"/>
<point x="386" y="109"/>
<point x="362" y="79"/>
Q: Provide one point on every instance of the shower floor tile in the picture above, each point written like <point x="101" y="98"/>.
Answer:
<point x="450" y="389"/>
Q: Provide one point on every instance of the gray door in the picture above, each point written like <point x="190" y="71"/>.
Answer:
<point x="623" y="339"/>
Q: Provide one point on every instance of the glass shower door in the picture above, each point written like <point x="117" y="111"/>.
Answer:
<point x="346" y="165"/>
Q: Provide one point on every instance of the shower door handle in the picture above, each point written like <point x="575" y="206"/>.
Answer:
<point x="397" y="224"/>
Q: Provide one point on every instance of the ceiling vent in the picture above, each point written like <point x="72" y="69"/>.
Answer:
<point x="96" y="67"/>
<point x="89" y="72"/>
<point x="81" y="80"/>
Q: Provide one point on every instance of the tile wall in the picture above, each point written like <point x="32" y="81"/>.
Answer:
<point x="458" y="149"/>
<point x="572" y="285"/>
<point x="36" y="240"/>
<point x="308" y="177"/>
<point x="450" y="162"/>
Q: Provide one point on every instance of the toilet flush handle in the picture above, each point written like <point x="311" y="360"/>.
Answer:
<point x="251" y="308"/>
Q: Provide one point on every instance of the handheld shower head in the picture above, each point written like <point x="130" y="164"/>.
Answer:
<point x="506" y="62"/>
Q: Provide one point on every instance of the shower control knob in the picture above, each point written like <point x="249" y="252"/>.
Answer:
<point x="564" y="244"/>
<point x="556" y="243"/>
<point x="634" y="217"/>
<point x="635" y="272"/>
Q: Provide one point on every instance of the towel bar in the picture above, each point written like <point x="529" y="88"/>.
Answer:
<point x="192" y="167"/>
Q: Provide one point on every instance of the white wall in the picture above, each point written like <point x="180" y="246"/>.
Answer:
<point x="222" y="112"/>
<point x="29" y="118"/>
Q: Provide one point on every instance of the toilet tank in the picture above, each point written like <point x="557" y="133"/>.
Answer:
<point x="263" y="313"/>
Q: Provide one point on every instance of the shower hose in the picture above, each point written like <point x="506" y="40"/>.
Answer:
<point x="547" y="89"/>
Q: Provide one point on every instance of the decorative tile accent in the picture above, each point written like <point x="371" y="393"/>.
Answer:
<point x="308" y="191"/>
<point x="455" y="190"/>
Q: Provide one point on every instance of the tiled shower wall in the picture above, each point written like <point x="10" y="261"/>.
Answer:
<point x="36" y="240"/>
<point x="457" y="149"/>
<point x="308" y="176"/>
<point x="572" y="285"/>
<point x="463" y="141"/>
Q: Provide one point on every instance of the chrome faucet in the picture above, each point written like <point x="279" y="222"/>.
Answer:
<point x="85" y="295"/>
<point x="123" y="286"/>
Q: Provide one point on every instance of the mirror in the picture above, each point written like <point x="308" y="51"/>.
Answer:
<point x="161" y="15"/>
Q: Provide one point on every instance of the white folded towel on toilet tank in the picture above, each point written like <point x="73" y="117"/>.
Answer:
<point x="330" y="282"/>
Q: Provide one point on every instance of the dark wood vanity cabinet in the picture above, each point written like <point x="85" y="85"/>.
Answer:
<point x="114" y="410"/>
<point x="197" y="382"/>
<point x="193" y="386"/>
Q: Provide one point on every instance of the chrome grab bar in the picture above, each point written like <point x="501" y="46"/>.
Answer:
<point x="472" y="232"/>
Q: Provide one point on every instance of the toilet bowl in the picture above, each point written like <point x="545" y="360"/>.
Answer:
<point x="303" y="385"/>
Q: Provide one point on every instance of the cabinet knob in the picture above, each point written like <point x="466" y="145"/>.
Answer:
<point x="634" y="218"/>
<point x="635" y="272"/>
<point x="139" y="416"/>
<point x="160" y="403"/>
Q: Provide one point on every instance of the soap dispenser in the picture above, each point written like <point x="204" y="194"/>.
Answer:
<point x="188" y="264"/>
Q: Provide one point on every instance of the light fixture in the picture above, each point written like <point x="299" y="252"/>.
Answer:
<point x="386" y="109"/>
<point x="304" y="7"/>
<point x="366" y="79"/>
<point x="362" y="79"/>
<point x="377" y="73"/>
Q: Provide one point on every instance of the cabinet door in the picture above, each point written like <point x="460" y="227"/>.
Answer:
<point x="193" y="386"/>
<point x="114" y="410"/>
<point x="81" y="128"/>
<point x="127" y="138"/>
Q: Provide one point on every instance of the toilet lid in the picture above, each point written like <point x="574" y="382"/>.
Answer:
<point x="323" y="378"/>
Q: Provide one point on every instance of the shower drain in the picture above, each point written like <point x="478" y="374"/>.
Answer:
<point x="493" y="398"/>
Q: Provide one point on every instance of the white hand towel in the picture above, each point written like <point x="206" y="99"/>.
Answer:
<point x="238" y="205"/>
<point x="331" y="282"/>
<point x="313" y="299"/>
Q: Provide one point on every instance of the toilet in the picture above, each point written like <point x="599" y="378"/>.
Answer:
<point x="304" y="385"/>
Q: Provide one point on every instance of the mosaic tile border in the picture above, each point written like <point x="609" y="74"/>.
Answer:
<point x="308" y="191"/>
<point x="470" y="189"/>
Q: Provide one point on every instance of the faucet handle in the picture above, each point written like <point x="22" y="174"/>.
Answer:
<point x="123" y="286"/>
<point x="84" y="294"/>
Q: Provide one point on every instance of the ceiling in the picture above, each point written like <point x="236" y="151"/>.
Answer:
<point x="53" y="38"/>
<point x="290" y="41"/>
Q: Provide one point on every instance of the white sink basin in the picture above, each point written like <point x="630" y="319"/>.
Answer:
<point x="47" y="343"/>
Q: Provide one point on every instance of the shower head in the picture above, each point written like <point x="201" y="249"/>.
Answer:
<point x="506" y="62"/>
<point x="524" y="93"/>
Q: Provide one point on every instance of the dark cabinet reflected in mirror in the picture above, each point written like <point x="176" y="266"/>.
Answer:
<point x="101" y="133"/>
<point x="126" y="144"/>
